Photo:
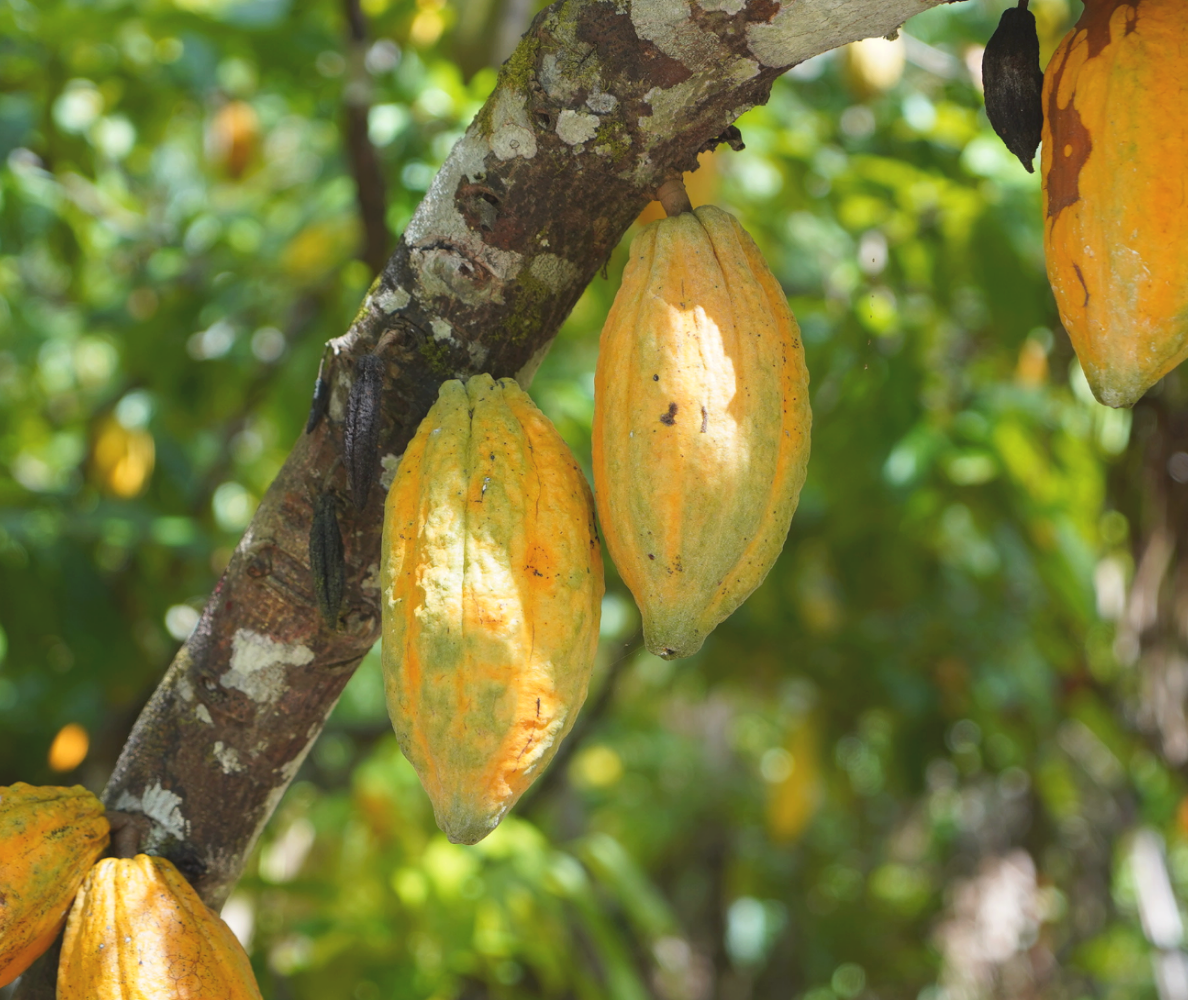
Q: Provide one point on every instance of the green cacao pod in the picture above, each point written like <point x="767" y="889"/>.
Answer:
<point x="701" y="425"/>
<point x="1115" y="152"/>
<point x="49" y="838"/>
<point x="492" y="590"/>
<point x="139" y="931"/>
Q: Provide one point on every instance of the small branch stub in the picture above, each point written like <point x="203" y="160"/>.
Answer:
<point x="673" y="197"/>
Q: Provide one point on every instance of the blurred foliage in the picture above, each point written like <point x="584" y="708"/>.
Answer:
<point x="899" y="771"/>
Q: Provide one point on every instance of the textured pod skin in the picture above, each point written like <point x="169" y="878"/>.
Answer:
<point x="1115" y="227"/>
<point x="492" y="592"/>
<point x="139" y="931"/>
<point x="701" y="425"/>
<point x="49" y="837"/>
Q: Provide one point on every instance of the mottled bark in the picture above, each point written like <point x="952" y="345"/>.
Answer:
<point x="1150" y="487"/>
<point x="599" y="103"/>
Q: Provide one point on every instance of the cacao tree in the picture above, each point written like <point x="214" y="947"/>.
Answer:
<point x="929" y="687"/>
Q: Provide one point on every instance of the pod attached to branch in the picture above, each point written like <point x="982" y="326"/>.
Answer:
<point x="491" y="595"/>
<point x="138" y="930"/>
<point x="1113" y="164"/>
<point x="1014" y="83"/>
<point x="701" y="424"/>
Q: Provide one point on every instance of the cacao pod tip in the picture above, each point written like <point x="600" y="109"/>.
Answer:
<point x="465" y="827"/>
<point x="672" y="642"/>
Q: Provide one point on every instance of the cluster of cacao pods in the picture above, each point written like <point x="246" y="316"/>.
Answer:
<point x="1113" y="107"/>
<point x="491" y="567"/>
<point x="135" y="928"/>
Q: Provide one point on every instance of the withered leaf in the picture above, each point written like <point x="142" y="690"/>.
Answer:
<point x="326" y="558"/>
<point x="361" y="433"/>
<point x="319" y="403"/>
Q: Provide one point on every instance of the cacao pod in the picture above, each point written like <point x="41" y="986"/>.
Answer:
<point x="49" y="837"/>
<point x="1114" y="154"/>
<point x="139" y="931"/>
<point x="1013" y="83"/>
<point x="701" y="425"/>
<point x="492" y="591"/>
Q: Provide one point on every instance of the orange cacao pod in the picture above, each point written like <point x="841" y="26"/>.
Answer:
<point x="49" y="837"/>
<point x="139" y="931"/>
<point x="492" y="591"/>
<point x="1114" y="153"/>
<point x="701" y="425"/>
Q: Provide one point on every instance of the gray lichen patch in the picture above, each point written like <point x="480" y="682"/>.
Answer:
<point x="258" y="665"/>
<point x="163" y="807"/>
<point x="601" y="103"/>
<point x="669" y="104"/>
<point x="442" y="331"/>
<point x="511" y="132"/>
<point x="555" y="272"/>
<point x="389" y="300"/>
<point x="730" y="7"/>
<point x="669" y="25"/>
<point x="445" y="254"/>
<point x="804" y="29"/>
<point x="575" y="127"/>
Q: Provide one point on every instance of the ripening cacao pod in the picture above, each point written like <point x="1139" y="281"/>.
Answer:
<point x="49" y="837"/>
<point x="139" y="931"/>
<point x="492" y="591"/>
<point x="1115" y="152"/>
<point x="701" y="425"/>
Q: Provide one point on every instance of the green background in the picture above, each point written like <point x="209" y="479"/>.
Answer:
<point x="907" y="767"/>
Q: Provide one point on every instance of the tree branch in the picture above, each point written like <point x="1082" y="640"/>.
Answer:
<point x="595" y="108"/>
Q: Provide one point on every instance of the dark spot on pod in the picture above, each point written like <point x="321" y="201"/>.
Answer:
<point x="655" y="378"/>
<point x="360" y="439"/>
<point x="326" y="558"/>
<point x="669" y="417"/>
<point x="319" y="403"/>
<point x="1014" y="83"/>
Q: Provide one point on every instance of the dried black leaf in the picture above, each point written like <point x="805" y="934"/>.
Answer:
<point x="326" y="558"/>
<point x="319" y="403"/>
<point x="361" y="434"/>
<point x="1014" y="83"/>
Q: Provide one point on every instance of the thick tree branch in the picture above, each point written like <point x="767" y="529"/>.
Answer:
<point x="596" y="106"/>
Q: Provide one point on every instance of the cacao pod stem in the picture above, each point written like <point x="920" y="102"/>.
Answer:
<point x="673" y="197"/>
<point x="361" y="434"/>
<point x="1014" y="83"/>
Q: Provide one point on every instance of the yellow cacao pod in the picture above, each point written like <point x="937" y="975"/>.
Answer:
<point x="492" y="591"/>
<point x="139" y="931"/>
<point x="701" y="425"/>
<point x="49" y="837"/>
<point x="1115" y="152"/>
